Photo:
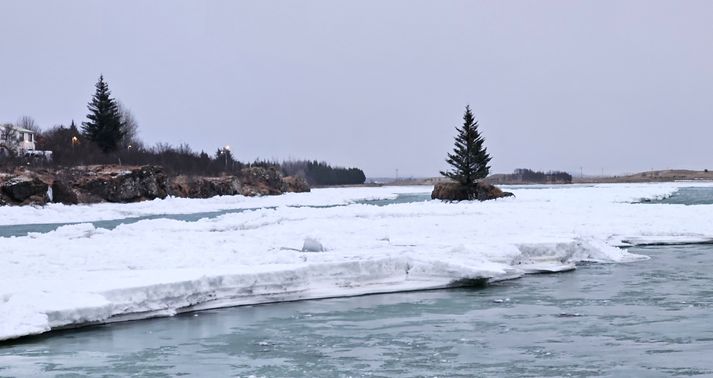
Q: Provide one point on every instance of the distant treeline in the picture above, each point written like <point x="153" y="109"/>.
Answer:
<point x="528" y="176"/>
<point x="321" y="173"/>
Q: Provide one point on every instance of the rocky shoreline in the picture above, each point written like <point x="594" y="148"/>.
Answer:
<point x="123" y="184"/>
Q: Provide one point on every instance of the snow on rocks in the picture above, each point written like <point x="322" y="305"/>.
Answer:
<point x="80" y="274"/>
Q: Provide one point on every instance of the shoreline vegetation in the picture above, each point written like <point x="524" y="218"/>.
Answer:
<point x="104" y="160"/>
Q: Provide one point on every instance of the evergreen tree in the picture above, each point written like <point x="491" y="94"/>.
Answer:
<point x="73" y="129"/>
<point x="104" y="126"/>
<point x="469" y="160"/>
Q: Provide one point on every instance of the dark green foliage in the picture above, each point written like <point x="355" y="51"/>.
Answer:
<point x="104" y="126"/>
<point x="315" y="172"/>
<point x="321" y="173"/>
<point x="266" y="164"/>
<point x="470" y="159"/>
<point x="225" y="156"/>
<point x="66" y="143"/>
<point x="538" y="177"/>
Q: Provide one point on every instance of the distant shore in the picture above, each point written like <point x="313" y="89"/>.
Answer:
<point x="669" y="175"/>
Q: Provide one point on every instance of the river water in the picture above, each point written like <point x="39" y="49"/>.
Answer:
<point x="650" y="318"/>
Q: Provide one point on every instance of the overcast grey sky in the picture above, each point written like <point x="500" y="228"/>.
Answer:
<point x="617" y="86"/>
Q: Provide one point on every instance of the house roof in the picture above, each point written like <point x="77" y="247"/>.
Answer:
<point x="20" y="129"/>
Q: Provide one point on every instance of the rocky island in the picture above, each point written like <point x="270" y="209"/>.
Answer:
<point x="470" y="165"/>
<point x="454" y="191"/>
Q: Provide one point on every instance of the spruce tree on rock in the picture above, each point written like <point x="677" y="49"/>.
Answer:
<point x="104" y="126"/>
<point x="470" y="158"/>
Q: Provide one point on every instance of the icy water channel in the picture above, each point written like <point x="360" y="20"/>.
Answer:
<point x="650" y="318"/>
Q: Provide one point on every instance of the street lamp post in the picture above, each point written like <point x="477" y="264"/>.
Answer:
<point x="226" y="150"/>
<point x="75" y="141"/>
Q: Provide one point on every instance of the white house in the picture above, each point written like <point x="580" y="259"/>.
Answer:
<point x="24" y="139"/>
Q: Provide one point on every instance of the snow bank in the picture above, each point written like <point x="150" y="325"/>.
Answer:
<point x="80" y="274"/>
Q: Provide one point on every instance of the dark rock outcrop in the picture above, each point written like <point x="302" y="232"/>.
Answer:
<point x="63" y="193"/>
<point x="258" y="181"/>
<point x="449" y="191"/>
<point x="25" y="189"/>
<point x="296" y="184"/>
<point x="487" y="191"/>
<point x="138" y="184"/>
<point x="453" y="191"/>
<point x="204" y="187"/>
<point x="93" y="184"/>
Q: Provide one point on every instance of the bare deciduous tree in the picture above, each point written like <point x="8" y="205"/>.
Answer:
<point x="28" y="123"/>
<point x="131" y="128"/>
<point x="10" y="140"/>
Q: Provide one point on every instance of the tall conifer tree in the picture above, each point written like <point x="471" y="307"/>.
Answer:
<point x="104" y="126"/>
<point x="470" y="158"/>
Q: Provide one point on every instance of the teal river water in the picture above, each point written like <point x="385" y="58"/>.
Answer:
<point x="651" y="318"/>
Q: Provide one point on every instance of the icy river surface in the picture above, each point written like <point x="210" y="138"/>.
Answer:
<point x="615" y="315"/>
<point x="649" y="318"/>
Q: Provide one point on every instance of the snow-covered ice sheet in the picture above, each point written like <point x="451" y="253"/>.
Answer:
<point x="80" y="274"/>
<point x="58" y="213"/>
